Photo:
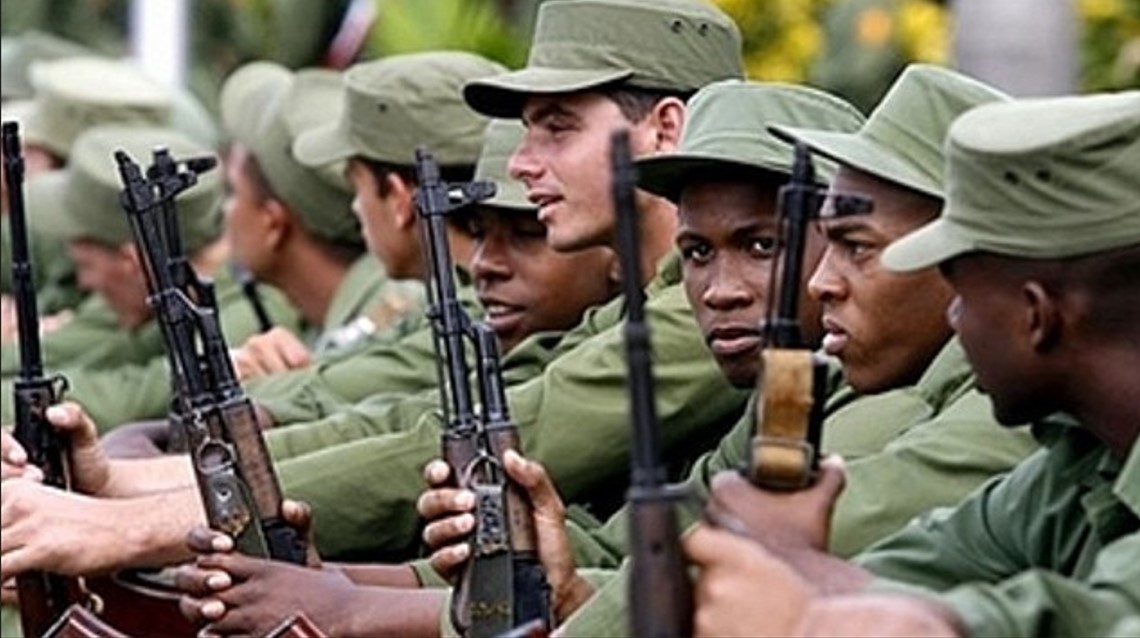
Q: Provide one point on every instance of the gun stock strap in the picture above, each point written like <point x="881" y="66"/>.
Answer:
<point x="782" y="456"/>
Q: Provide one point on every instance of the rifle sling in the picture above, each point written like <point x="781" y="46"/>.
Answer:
<point x="782" y="452"/>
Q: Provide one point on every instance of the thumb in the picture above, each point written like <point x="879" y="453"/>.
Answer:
<point x="68" y="417"/>
<point x="832" y="476"/>
<point x="534" y="479"/>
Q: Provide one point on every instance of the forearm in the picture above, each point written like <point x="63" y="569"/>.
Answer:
<point x="829" y="574"/>
<point x="139" y="477"/>
<point x="376" y="575"/>
<point x="382" y="611"/>
<point x="156" y="528"/>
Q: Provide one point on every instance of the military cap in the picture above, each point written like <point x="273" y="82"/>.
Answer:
<point x="82" y="200"/>
<point x="265" y="107"/>
<point x="1039" y="178"/>
<point x="500" y="140"/>
<point x="20" y="52"/>
<point x="76" y="94"/>
<point x="726" y="126"/>
<point x="395" y="104"/>
<point x="902" y="139"/>
<point x="675" y="45"/>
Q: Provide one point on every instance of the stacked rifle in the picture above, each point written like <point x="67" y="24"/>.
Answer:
<point x="503" y="586"/>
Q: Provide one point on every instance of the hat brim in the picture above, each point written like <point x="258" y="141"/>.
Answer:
<point x="858" y="152"/>
<point x="323" y="146"/>
<point x="928" y="246"/>
<point x="667" y="175"/>
<point x="50" y="217"/>
<point x="503" y="96"/>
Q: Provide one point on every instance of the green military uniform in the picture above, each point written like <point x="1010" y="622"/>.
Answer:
<point x="98" y="356"/>
<point x="938" y="437"/>
<point x="937" y="434"/>
<point x="574" y="416"/>
<point x="137" y="359"/>
<point x="366" y="302"/>
<point x="265" y="108"/>
<point x="1053" y="549"/>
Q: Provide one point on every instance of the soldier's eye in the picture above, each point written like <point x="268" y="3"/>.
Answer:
<point x="696" y="252"/>
<point x="764" y="247"/>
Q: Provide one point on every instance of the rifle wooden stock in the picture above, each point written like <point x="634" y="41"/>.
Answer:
<point x="503" y="584"/>
<point x="661" y="601"/>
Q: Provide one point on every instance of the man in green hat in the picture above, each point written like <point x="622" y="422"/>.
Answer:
<point x="578" y="402"/>
<point x="72" y="95"/>
<point x="80" y="207"/>
<point x="391" y="106"/>
<point x="293" y="226"/>
<point x="573" y="414"/>
<point x="932" y="430"/>
<point x="513" y="268"/>
<point x="1040" y="240"/>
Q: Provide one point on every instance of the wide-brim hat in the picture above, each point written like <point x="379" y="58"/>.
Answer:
<point x="727" y="128"/>
<point x="902" y="139"/>
<point x="673" y="45"/>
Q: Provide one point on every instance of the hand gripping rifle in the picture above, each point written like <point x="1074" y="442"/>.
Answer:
<point x="50" y="604"/>
<point x="784" y="454"/>
<point x="503" y="585"/>
<point x="660" y="595"/>
<point x="234" y="472"/>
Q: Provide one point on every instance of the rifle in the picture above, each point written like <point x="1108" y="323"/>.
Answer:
<point x="232" y="466"/>
<point x="660" y="594"/>
<point x="50" y="604"/>
<point x="791" y="386"/>
<point x="503" y="585"/>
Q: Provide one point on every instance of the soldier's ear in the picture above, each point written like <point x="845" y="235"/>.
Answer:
<point x="400" y="195"/>
<point x="668" y="118"/>
<point x="1044" y="321"/>
<point x="279" y="222"/>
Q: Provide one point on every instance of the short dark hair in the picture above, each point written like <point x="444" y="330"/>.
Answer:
<point x="636" y="103"/>
<point x="381" y="170"/>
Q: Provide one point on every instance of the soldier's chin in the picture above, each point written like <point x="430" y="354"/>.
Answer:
<point x="739" y="374"/>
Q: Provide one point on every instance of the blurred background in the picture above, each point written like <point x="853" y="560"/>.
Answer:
<point x="851" y="47"/>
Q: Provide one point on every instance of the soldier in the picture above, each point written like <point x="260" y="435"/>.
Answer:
<point x="392" y="105"/>
<point x="914" y="415"/>
<point x="293" y="226"/>
<point x="573" y="414"/>
<point x="72" y="95"/>
<point x="80" y="207"/>
<point x="1040" y="241"/>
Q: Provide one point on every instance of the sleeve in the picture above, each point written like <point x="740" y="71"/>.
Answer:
<point x="573" y="419"/>
<point x="348" y="376"/>
<point x="1041" y="602"/>
<point x="942" y="461"/>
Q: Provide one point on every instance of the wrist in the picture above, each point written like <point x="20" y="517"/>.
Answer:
<point x="569" y="596"/>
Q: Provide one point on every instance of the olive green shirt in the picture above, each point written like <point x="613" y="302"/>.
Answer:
<point x="396" y="361"/>
<point x="1052" y="549"/>
<point x="57" y="288"/>
<point x="573" y="418"/>
<point x="125" y="376"/>
<point x="938" y="438"/>
<point x="367" y="301"/>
